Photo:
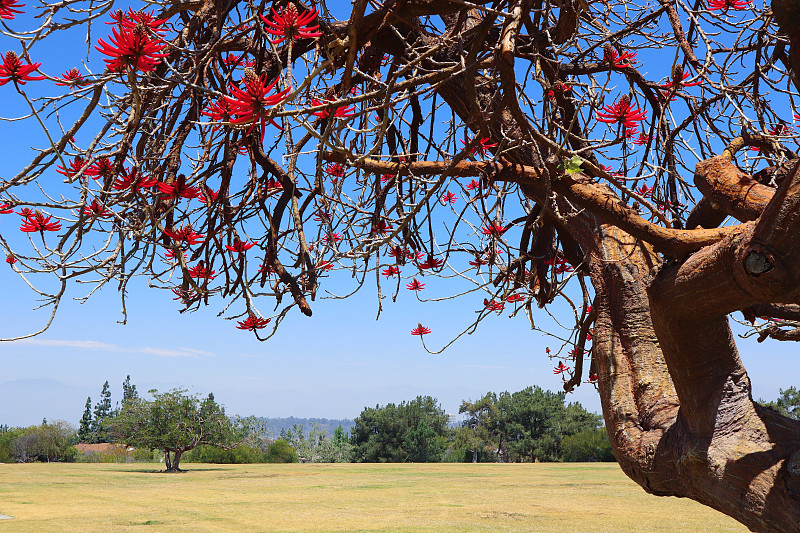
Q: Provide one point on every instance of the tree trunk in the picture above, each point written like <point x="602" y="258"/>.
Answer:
<point x="475" y="455"/>
<point x="176" y="461"/>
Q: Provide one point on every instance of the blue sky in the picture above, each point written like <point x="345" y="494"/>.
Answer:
<point x="331" y="365"/>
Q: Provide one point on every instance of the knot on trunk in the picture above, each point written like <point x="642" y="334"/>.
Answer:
<point x="758" y="262"/>
<point x="793" y="465"/>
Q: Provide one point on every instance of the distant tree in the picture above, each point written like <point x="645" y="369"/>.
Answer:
<point x="85" y="433"/>
<point x="477" y="436"/>
<point x="102" y="411"/>
<point x="176" y="422"/>
<point x="280" y="451"/>
<point x="408" y="432"/>
<point x="318" y="446"/>
<point x="787" y="404"/>
<point x="587" y="445"/>
<point x="46" y="443"/>
<point x="129" y="392"/>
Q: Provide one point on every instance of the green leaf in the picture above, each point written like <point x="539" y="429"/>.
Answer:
<point x="574" y="165"/>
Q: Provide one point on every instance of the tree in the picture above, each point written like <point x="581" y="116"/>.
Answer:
<point x="176" y="422"/>
<point x="129" y="392"/>
<point x="628" y="191"/>
<point x="409" y="432"/>
<point x="85" y="433"/>
<point x="102" y="411"/>
<point x="787" y="404"/>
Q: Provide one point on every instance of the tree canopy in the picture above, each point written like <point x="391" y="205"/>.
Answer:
<point x="176" y="422"/>
<point x="634" y="161"/>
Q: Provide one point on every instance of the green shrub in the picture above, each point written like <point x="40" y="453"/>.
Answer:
<point x="587" y="445"/>
<point x="279" y="451"/>
<point x="212" y="454"/>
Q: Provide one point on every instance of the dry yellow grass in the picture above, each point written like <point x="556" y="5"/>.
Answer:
<point x="346" y="497"/>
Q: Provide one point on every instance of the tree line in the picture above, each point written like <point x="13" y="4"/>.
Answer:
<point x="531" y="425"/>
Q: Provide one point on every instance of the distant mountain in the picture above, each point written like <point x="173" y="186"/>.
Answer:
<point x="274" y="426"/>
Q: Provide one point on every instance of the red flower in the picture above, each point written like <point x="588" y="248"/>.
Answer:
<point x="592" y="378"/>
<point x="273" y="185"/>
<point x="218" y="111"/>
<point x="96" y="209"/>
<point x="200" y="271"/>
<point x="642" y="139"/>
<point x="618" y="61"/>
<point x="337" y="112"/>
<point x="473" y="184"/>
<point x="678" y="75"/>
<point x="430" y="263"/>
<point x="132" y="47"/>
<point x="101" y="168"/>
<point x="170" y="254"/>
<point x="420" y="330"/>
<point x="6" y="209"/>
<point x="10" y="259"/>
<point x="13" y="69"/>
<point x="448" y="198"/>
<point x="251" y="105"/>
<point x="413" y="255"/>
<point x="396" y="251"/>
<point x="390" y="271"/>
<point x="644" y="190"/>
<point x="482" y="147"/>
<point x="382" y="227"/>
<point x="178" y="189"/>
<point x="479" y="261"/>
<point x="332" y="238"/>
<point x="230" y="60"/>
<point x="415" y="285"/>
<point x="515" y="298"/>
<point x="780" y="129"/>
<point x="39" y="222"/>
<point x="494" y="230"/>
<point x="493" y="305"/>
<point x="239" y="246"/>
<point x="134" y="180"/>
<point x="327" y="266"/>
<point x="253" y="323"/>
<point x="289" y="24"/>
<point x="7" y="10"/>
<point x="387" y="177"/>
<point x="725" y="5"/>
<point x="208" y="196"/>
<point x="622" y="113"/>
<point x="322" y="216"/>
<point x="589" y="335"/>
<point x="25" y="213"/>
<point x="72" y="78"/>
<point x="335" y="169"/>
<point x="184" y="234"/>
<point x="560" y="368"/>
<point x="75" y="166"/>
<point x="557" y="88"/>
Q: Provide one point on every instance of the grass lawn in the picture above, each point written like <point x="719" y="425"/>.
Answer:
<point x="586" y="497"/>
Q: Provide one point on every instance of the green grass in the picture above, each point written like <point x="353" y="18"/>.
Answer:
<point x="558" y="498"/>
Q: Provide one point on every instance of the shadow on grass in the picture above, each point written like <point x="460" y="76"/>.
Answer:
<point x="163" y="471"/>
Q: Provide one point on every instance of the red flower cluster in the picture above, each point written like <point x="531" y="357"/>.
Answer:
<point x="71" y="78"/>
<point x="239" y="246"/>
<point x="101" y="168"/>
<point x="644" y="191"/>
<point x="327" y="266"/>
<point x="618" y="61"/>
<point x="6" y="209"/>
<point x="515" y="298"/>
<point x="96" y="209"/>
<point x="200" y="271"/>
<point x="559" y="264"/>
<point x="473" y="184"/>
<point x="10" y="259"/>
<point x="73" y="168"/>
<point x="322" y="216"/>
<point x="448" y="198"/>
<point x="622" y="113"/>
<point x="430" y="263"/>
<point x="135" y="43"/>
<point x="133" y="180"/>
<point x="493" y="305"/>
<point x="420" y="330"/>
<point x="725" y="5"/>
<point x="493" y="230"/>
<point x="382" y="227"/>
<point x="253" y="323"/>
<point x="558" y="88"/>
<point x="332" y="238"/>
<point x="184" y="234"/>
<point x="7" y="9"/>
<point x="483" y="146"/>
<point x="391" y="271"/>
<point x="37" y="221"/>
<point x="337" y="112"/>
<point x="12" y="69"/>
<point x="251" y="104"/>
<point x="560" y="368"/>
<point x="178" y="189"/>
<point x="415" y="285"/>
<point x="219" y="111"/>
<point x="290" y="24"/>
<point x="335" y="169"/>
